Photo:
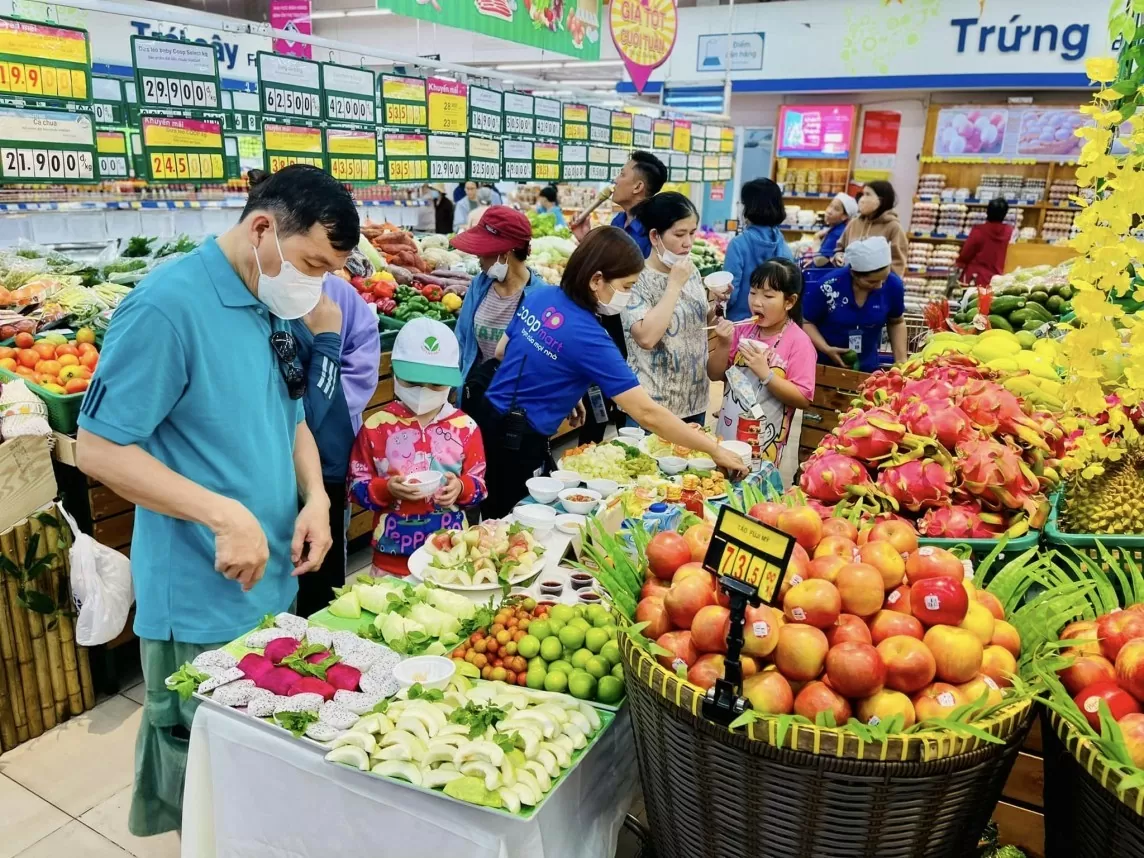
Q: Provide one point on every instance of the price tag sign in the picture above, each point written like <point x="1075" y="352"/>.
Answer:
<point x="352" y="155"/>
<point x="403" y="102"/>
<point x="348" y="93"/>
<point x="573" y="162"/>
<point x="600" y="125"/>
<point x="518" y="160"/>
<point x="641" y="132"/>
<point x="726" y="163"/>
<point x="42" y="62"/>
<point x="47" y="146"/>
<point x="289" y="86"/>
<point x="107" y="105"/>
<point x="575" y="123"/>
<point x="546" y="158"/>
<point x="284" y="145"/>
<point x="182" y="150"/>
<point x="518" y="115"/>
<point x="695" y="168"/>
<point x="484" y="110"/>
<point x="699" y="135"/>
<point x="446" y="158"/>
<point x="111" y="154"/>
<point x="547" y="118"/>
<point x="681" y="136"/>
<point x="621" y="129"/>
<point x="230" y="158"/>
<point x="749" y="551"/>
<point x="677" y="168"/>
<point x="726" y="139"/>
<point x="448" y="106"/>
<point x="484" y="159"/>
<point x="406" y="158"/>
<point x="661" y="130"/>
<point x="599" y="164"/>
<point x="711" y="168"/>
<point x="244" y="115"/>
<point x="175" y="74"/>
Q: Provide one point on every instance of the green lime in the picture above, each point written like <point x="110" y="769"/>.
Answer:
<point x="598" y="666"/>
<point x="580" y="658"/>
<point x="611" y="651"/>
<point x="539" y="629"/>
<point x="535" y="678"/>
<point x="582" y="685"/>
<point x="581" y="624"/>
<point x="528" y="646"/>
<point x="554" y="626"/>
<point x="562" y="612"/>
<point x="610" y="689"/>
<point x="618" y="671"/>
<point x="595" y="639"/>
<point x="572" y="637"/>
<point x="555" y="680"/>
<point x="561" y="665"/>
<point x="550" y="649"/>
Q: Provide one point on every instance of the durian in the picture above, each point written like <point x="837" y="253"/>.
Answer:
<point x="1112" y="502"/>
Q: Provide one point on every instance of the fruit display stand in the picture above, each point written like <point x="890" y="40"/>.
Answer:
<point x="1098" y="548"/>
<point x="834" y="390"/>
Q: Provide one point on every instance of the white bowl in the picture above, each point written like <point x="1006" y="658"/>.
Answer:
<point x="718" y="280"/>
<point x="604" y="486"/>
<point x="580" y="507"/>
<point x="537" y="516"/>
<point x="570" y="523"/>
<point x="631" y="434"/>
<point x="672" y="464"/>
<point x="427" y="482"/>
<point x="429" y="671"/>
<point x="701" y="464"/>
<point x="544" y="489"/>
<point x="740" y="448"/>
<point x="571" y="479"/>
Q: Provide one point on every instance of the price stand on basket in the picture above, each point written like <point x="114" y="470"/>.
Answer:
<point x="403" y="102"/>
<point x="548" y="118"/>
<point x="448" y="106"/>
<point x="286" y="145"/>
<point x="111" y="154"/>
<point x="178" y="149"/>
<point x="485" y="110"/>
<point x="289" y="86"/>
<point x="575" y="123"/>
<point x="446" y="158"/>
<point x="349" y="94"/>
<point x="519" y="116"/>
<point x="406" y="158"/>
<point x="750" y="559"/>
<point x="352" y="154"/>
<point x="484" y="159"/>
<point x="44" y="61"/>
<point x="182" y="75"/>
<point x="47" y="146"/>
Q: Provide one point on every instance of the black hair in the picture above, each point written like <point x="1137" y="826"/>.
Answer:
<point x="996" y="210"/>
<point x="651" y="170"/>
<point x="607" y="250"/>
<point x="784" y="276"/>
<point x="522" y="253"/>
<point x="549" y="193"/>
<point x="663" y="211"/>
<point x="300" y="196"/>
<point x="762" y="202"/>
<point x="887" y="198"/>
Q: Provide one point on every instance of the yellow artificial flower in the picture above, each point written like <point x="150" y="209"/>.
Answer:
<point x="1102" y="69"/>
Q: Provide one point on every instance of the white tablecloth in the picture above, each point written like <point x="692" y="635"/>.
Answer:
<point x="252" y="793"/>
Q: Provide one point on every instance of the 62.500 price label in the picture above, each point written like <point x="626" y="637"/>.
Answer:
<point x="293" y="103"/>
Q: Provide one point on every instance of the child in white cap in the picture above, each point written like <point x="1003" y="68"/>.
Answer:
<point x="406" y="447"/>
<point x="837" y="215"/>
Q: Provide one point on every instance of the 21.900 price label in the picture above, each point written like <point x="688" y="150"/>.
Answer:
<point x="29" y="163"/>
<point x="350" y="109"/>
<point x="293" y="103"/>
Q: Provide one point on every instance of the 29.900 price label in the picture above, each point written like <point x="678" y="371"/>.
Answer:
<point x="353" y="109"/>
<point x="292" y="103"/>
<point x="45" y="164"/>
<point x="179" y="92"/>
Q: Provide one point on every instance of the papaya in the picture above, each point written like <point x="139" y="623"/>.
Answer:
<point x="1040" y="296"/>
<point x="1000" y="323"/>
<point x="1005" y="305"/>
<point x="1054" y="304"/>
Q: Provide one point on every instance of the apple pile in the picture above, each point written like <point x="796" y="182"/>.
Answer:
<point x="871" y="626"/>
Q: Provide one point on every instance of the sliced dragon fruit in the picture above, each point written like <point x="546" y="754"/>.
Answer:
<point x="222" y="678"/>
<point x="280" y="680"/>
<point x="279" y="648"/>
<point x="336" y="715"/>
<point x="344" y="677"/>
<point x="254" y="665"/>
<point x="235" y="694"/>
<point x="312" y="685"/>
<point x="212" y="659"/>
<point x="260" y="638"/>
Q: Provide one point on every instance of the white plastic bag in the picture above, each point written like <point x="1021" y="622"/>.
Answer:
<point x="101" y="587"/>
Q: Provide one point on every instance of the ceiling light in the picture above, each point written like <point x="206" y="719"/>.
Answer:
<point x="318" y="16"/>
<point x="362" y="13"/>
<point x="609" y="83"/>
<point x="593" y="63"/>
<point x="525" y="66"/>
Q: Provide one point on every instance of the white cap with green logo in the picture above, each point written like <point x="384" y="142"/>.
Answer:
<point x="426" y="352"/>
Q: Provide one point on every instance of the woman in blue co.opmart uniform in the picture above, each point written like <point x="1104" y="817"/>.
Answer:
<point x="554" y="349"/>
<point x="848" y="312"/>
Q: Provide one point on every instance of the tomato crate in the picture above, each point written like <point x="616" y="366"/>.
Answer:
<point x="63" y="410"/>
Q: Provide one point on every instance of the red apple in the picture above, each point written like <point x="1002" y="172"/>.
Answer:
<point x="886" y="624"/>
<point x="939" y="601"/>
<point x="937" y="700"/>
<point x="979" y="621"/>
<point x="897" y="532"/>
<point x="898" y="600"/>
<point x="710" y="627"/>
<point x="767" y="512"/>
<point x="848" y="628"/>
<point x="666" y="552"/>
<point x="855" y="669"/>
<point x="882" y="556"/>
<point x="798" y="569"/>
<point x="652" y="611"/>
<point x="1132" y="727"/>
<point x="654" y="587"/>
<point x="685" y="599"/>
<point x="706" y="670"/>
<point x="884" y="705"/>
<point x="818" y="697"/>
<point x="956" y="652"/>
<point x="1085" y="671"/>
<point x="760" y="631"/>
<point x="835" y="526"/>
<point x="1084" y="632"/>
<point x="999" y="665"/>
<point x="693" y="570"/>
<point x="1120" y="702"/>
<point x="814" y="602"/>
<point x="1005" y="635"/>
<point x="929" y="561"/>
<point x="803" y="524"/>
<point x="683" y="652"/>
<point x="1117" y="629"/>
<point x="826" y="567"/>
<point x="910" y="665"/>
<point x="801" y="652"/>
<point x="698" y="538"/>
<point x="992" y="603"/>
<point x="1130" y="668"/>
<point x="981" y="685"/>
<point x="861" y="588"/>
<point x="769" y="692"/>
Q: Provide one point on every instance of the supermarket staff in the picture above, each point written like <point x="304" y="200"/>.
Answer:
<point x="553" y="350"/>
<point x="196" y="417"/>
<point x="847" y="312"/>
<point x="837" y="215"/>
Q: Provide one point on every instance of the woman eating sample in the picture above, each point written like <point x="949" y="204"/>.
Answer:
<point x="554" y="349"/>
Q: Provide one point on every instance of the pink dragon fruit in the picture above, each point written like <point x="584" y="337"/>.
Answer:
<point x="994" y="409"/>
<point x="939" y="419"/>
<point x="869" y="435"/>
<point x="955" y="369"/>
<point x="917" y="484"/>
<point x="923" y="389"/>
<point x="882" y="386"/>
<point x="827" y="475"/>
<point x="995" y="474"/>
<point x="279" y="648"/>
<point x="960" y="521"/>
<point x="343" y="677"/>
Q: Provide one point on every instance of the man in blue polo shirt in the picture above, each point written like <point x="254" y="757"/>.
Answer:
<point x="196" y="417"/>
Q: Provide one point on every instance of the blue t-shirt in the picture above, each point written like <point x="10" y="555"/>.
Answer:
<point x="636" y="230"/>
<point x="222" y="419"/>
<point x="831" y="239"/>
<point x="556" y="351"/>
<point x="830" y="307"/>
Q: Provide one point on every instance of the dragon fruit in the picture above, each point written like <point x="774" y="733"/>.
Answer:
<point x="994" y="409"/>
<point x="279" y="648"/>
<point x="882" y="386"/>
<point x="955" y="369"/>
<point x="923" y="390"/>
<point x="869" y="435"/>
<point x="827" y="475"/>
<point x="312" y="685"/>
<point x="960" y="521"/>
<point x="254" y="665"/>
<point x="343" y="677"/>
<point x="917" y="484"/>
<point x="939" y="419"/>
<point x="995" y="474"/>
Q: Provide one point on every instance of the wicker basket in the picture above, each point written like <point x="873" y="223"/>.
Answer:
<point x="1084" y="815"/>
<point x="824" y="792"/>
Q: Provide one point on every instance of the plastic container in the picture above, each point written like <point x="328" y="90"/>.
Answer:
<point x="63" y="411"/>
<point x="661" y="516"/>
<point x="426" y="482"/>
<point x="1085" y="543"/>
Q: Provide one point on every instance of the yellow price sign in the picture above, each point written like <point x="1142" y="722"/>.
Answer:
<point x="448" y="106"/>
<point x="621" y="137"/>
<point x="576" y="132"/>
<point x="408" y="171"/>
<point x="547" y="172"/>
<point x="749" y="551"/>
<point x="405" y="114"/>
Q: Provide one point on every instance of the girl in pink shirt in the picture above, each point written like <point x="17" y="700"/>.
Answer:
<point x="767" y="363"/>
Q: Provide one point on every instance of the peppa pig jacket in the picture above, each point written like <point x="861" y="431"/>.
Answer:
<point x="391" y="443"/>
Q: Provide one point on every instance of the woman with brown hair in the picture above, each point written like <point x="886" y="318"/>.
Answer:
<point x="553" y="350"/>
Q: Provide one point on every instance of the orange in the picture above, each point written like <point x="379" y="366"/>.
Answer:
<point x="49" y="367"/>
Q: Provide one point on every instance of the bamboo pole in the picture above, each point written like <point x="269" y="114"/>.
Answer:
<point x="59" y="546"/>
<point x="51" y="586"/>
<point x="23" y="639"/>
<point x="36" y="633"/>
<point x="11" y="670"/>
<point x="8" y="735"/>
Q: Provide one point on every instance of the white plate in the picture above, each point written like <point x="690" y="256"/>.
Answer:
<point x="421" y="559"/>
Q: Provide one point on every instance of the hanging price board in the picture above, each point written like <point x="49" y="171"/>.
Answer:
<point x="352" y="154"/>
<point x="46" y="146"/>
<point x="484" y="110"/>
<point x="695" y="168"/>
<point x="406" y="158"/>
<point x="289" y="86"/>
<point x="711" y="168"/>
<point x="749" y="551"/>
<point x="518" y="160"/>
<point x="447" y="158"/>
<point x="403" y="102"/>
<point x="546" y="158"/>
<point x="726" y="164"/>
<point x="573" y="162"/>
<point x="44" y="62"/>
<point x="285" y="145"/>
<point x="547" y="118"/>
<point x="677" y="167"/>
<point x="241" y="113"/>
<point x="726" y="139"/>
<point x="484" y="159"/>
<point x="575" y="123"/>
<point x="599" y="164"/>
<point x="641" y="132"/>
<point x="107" y="105"/>
<point x="181" y="150"/>
<point x="518" y="114"/>
<point x="621" y="129"/>
<point x="661" y="130"/>
<point x="111" y="154"/>
<point x="681" y="136"/>
<point x="448" y="106"/>
<point x="698" y="137"/>
<point x="600" y="125"/>
<point x="348" y="94"/>
<point x="175" y="74"/>
<point x="231" y="163"/>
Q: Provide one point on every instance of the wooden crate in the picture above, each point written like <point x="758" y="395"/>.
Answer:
<point x="834" y="390"/>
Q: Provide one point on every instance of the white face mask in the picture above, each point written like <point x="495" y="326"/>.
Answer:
<point x="498" y="271"/>
<point x="617" y="303"/>
<point x="418" y="399"/>
<point x="289" y="294"/>
<point x="668" y="258"/>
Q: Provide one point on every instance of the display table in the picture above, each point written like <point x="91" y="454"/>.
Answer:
<point x="251" y="791"/>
